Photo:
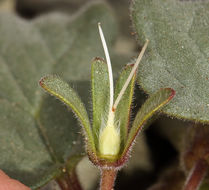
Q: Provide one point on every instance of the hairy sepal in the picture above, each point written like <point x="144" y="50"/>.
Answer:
<point x="61" y="90"/>
<point x="100" y="95"/>
<point x="152" y="105"/>
<point x="123" y="111"/>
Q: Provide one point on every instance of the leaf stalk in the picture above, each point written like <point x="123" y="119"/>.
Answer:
<point x="196" y="175"/>
<point x="69" y="181"/>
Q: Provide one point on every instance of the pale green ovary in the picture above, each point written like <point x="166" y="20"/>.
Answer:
<point x="109" y="141"/>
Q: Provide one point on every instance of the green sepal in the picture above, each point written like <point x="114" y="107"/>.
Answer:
<point x="61" y="90"/>
<point x="153" y="104"/>
<point x="100" y="94"/>
<point x="123" y="111"/>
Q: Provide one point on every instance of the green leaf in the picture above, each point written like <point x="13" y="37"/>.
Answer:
<point x="22" y="149"/>
<point x="61" y="90"/>
<point x="153" y="104"/>
<point x="178" y="53"/>
<point x="100" y="94"/>
<point x="38" y="135"/>
<point x="123" y="111"/>
<point x="77" y="41"/>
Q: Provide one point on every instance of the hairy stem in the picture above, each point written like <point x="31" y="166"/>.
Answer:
<point x="107" y="179"/>
<point x="69" y="181"/>
<point x="196" y="175"/>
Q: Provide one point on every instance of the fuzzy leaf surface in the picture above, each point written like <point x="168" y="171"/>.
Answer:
<point x="177" y="54"/>
<point x="37" y="133"/>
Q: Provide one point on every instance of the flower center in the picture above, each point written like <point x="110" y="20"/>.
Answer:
<point x="109" y="137"/>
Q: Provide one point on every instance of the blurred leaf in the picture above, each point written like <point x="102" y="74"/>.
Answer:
<point x="7" y="5"/>
<point x="37" y="134"/>
<point x="178" y="53"/>
<point x="204" y="186"/>
<point x="31" y="8"/>
<point x="76" y="41"/>
<point x="171" y="179"/>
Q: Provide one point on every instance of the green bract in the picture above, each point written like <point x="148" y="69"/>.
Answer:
<point x="110" y="136"/>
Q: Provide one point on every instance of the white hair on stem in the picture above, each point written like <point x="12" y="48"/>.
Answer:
<point x="108" y="65"/>
<point x="130" y="76"/>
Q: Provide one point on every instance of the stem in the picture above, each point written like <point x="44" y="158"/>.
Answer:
<point x="69" y="181"/>
<point x="108" y="179"/>
<point x="196" y="175"/>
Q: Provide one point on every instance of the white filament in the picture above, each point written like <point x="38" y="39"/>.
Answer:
<point x="130" y="75"/>
<point x="108" y="65"/>
<point x="114" y="105"/>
